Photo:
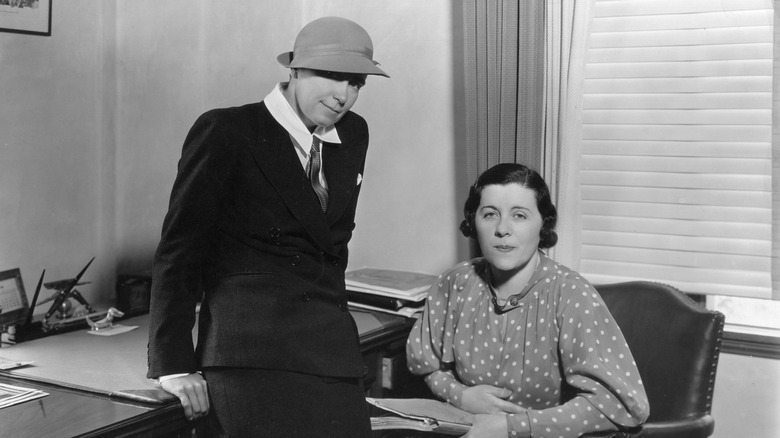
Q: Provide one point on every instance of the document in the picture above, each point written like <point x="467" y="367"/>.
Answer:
<point x="410" y="286"/>
<point x="12" y="395"/>
<point x="8" y="364"/>
<point x="421" y="414"/>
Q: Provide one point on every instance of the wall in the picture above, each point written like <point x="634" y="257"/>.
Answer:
<point x="94" y="116"/>
<point x="212" y="56"/>
<point x="55" y="196"/>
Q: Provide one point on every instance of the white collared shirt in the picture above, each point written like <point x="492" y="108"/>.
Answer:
<point x="283" y="113"/>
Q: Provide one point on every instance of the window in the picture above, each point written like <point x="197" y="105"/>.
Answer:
<point x="677" y="149"/>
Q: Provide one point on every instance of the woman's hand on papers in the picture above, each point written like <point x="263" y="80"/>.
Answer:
<point x="489" y="405"/>
<point x="487" y="399"/>
<point x="192" y="391"/>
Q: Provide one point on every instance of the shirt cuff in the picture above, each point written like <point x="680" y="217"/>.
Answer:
<point x="519" y="425"/>
<point x="171" y="376"/>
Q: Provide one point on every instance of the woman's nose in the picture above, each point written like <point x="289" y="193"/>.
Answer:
<point x="340" y="90"/>
<point x="502" y="228"/>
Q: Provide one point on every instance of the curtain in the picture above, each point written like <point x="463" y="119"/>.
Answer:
<point x="504" y="63"/>
<point x="565" y="46"/>
<point x="776" y="155"/>
<point x="524" y="67"/>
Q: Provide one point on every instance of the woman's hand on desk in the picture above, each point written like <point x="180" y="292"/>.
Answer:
<point x="488" y="426"/>
<point x="490" y="407"/>
<point x="192" y="392"/>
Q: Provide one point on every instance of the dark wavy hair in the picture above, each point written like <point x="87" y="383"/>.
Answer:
<point x="513" y="173"/>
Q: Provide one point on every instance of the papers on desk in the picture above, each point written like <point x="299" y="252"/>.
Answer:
<point x="405" y="285"/>
<point x="398" y="292"/>
<point x="8" y="364"/>
<point x="113" y="330"/>
<point x="421" y="414"/>
<point x="409" y="312"/>
<point x="13" y="395"/>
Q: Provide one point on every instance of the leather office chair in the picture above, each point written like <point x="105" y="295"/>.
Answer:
<point x="676" y="345"/>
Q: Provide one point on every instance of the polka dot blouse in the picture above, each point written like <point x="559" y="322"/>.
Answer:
<point x="554" y="344"/>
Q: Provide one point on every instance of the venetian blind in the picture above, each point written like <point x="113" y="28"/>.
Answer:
<point x="676" y="151"/>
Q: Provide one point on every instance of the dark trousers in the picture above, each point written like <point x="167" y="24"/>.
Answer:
<point x="271" y="403"/>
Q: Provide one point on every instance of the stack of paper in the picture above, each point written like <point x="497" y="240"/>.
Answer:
<point x="398" y="292"/>
<point x="421" y="414"/>
<point x="12" y="395"/>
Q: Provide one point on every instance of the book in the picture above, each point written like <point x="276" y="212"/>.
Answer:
<point x="408" y="312"/>
<point x="367" y="323"/>
<point x="405" y="285"/>
<point x="421" y="414"/>
<point x="381" y="301"/>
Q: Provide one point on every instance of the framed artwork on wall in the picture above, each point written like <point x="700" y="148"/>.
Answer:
<point x="26" y="16"/>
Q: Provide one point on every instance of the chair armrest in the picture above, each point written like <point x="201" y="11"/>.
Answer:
<point x="695" y="427"/>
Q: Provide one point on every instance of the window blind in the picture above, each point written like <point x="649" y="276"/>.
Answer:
<point x="676" y="151"/>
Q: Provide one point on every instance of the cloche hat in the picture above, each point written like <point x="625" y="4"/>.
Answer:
<point x="333" y="44"/>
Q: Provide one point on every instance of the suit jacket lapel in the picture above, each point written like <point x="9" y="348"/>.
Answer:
<point x="275" y="155"/>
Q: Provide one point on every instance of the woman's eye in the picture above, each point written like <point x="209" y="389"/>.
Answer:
<point x="329" y="75"/>
<point x="356" y="84"/>
<point x="489" y="214"/>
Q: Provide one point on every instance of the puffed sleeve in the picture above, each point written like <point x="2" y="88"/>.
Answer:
<point x="429" y="348"/>
<point x="597" y="365"/>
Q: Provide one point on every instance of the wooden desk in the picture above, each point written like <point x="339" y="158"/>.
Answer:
<point x="74" y="413"/>
<point x="74" y="409"/>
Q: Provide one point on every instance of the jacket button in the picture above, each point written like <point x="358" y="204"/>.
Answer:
<point x="305" y="297"/>
<point x="294" y="260"/>
<point x="274" y="232"/>
<point x="334" y="261"/>
<point x="343" y="307"/>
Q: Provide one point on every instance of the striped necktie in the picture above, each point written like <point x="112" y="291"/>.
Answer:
<point x="313" y="171"/>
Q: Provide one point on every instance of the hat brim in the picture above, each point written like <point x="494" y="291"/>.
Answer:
<point x="338" y="63"/>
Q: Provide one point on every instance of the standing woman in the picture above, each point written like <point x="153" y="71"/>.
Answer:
<point x="260" y="217"/>
<point x="523" y="342"/>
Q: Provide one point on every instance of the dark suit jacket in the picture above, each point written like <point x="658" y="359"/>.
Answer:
<point x="245" y="230"/>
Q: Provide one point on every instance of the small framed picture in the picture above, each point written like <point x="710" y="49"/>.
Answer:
<point x="13" y="298"/>
<point x="26" y="16"/>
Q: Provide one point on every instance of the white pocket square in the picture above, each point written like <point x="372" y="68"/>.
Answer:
<point x="359" y="179"/>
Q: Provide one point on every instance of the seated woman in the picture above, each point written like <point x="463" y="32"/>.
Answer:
<point x="513" y="336"/>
